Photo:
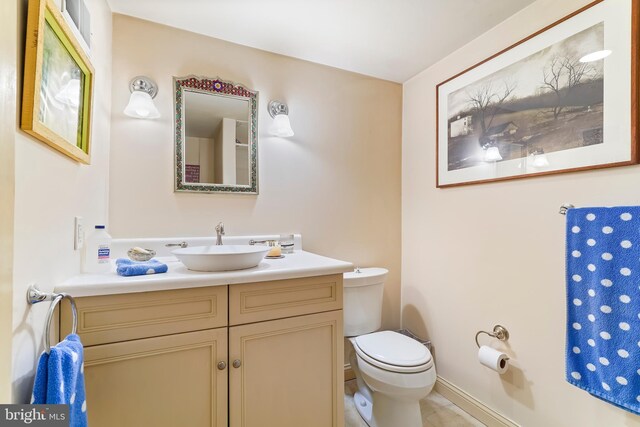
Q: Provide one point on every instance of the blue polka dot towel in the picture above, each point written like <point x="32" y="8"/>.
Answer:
<point x="60" y="379"/>
<point x="126" y="267"/>
<point x="603" y="303"/>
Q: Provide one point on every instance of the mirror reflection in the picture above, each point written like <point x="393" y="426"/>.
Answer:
<point x="216" y="145"/>
<point x="216" y="136"/>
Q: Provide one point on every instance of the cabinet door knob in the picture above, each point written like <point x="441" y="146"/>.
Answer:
<point x="237" y="363"/>
<point x="222" y="365"/>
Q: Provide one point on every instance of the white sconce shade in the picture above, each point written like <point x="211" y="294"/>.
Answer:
<point x="281" y="125"/>
<point x="492" y="155"/>
<point x="70" y="93"/>
<point x="141" y="105"/>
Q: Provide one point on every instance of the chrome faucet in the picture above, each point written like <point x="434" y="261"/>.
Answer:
<point x="219" y="234"/>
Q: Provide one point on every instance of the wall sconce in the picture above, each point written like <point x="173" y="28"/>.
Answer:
<point x="281" y="125"/>
<point x="141" y="105"/>
<point x="492" y="154"/>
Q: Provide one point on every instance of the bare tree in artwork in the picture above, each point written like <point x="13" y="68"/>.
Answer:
<point x="561" y="76"/>
<point x="487" y="99"/>
<point x="547" y="102"/>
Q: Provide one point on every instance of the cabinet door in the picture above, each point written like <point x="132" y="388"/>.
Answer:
<point x="290" y="372"/>
<point x="164" y="381"/>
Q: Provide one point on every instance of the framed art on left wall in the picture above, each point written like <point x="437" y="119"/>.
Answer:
<point x="58" y="83"/>
<point x="563" y="99"/>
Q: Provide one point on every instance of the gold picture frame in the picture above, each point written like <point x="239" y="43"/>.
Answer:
<point x="58" y="83"/>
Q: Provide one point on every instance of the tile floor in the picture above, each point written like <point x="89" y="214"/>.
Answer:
<point x="436" y="411"/>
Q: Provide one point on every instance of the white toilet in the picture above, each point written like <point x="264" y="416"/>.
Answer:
<point x="394" y="372"/>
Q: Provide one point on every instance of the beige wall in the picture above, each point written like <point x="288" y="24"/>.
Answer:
<point x="50" y="189"/>
<point x="494" y="253"/>
<point x="337" y="181"/>
<point x="8" y="99"/>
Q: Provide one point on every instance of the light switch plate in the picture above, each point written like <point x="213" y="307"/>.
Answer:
<point x="78" y="234"/>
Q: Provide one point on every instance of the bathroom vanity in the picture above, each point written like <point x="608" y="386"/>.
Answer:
<point x="254" y="348"/>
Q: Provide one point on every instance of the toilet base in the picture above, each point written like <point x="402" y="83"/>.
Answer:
<point x="386" y="411"/>
<point x="364" y="408"/>
<point x="390" y="412"/>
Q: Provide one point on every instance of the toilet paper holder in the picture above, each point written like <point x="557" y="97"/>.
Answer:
<point x="499" y="332"/>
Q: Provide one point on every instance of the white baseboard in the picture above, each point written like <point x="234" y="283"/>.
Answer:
<point x="471" y="405"/>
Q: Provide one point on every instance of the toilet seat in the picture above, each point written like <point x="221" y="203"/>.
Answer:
<point x="393" y="352"/>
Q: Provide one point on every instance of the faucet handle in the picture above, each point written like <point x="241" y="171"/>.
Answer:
<point x="181" y="244"/>
<point x="220" y="228"/>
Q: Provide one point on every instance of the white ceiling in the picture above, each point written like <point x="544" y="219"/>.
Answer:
<point x="388" y="39"/>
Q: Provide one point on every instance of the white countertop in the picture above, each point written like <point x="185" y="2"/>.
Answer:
<point x="298" y="264"/>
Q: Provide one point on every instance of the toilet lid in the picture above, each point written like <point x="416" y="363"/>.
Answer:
<point x="364" y="277"/>
<point x="394" y="349"/>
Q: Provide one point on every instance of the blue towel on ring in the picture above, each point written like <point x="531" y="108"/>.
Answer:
<point x="126" y="267"/>
<point x="60" y="379"/>
<point x="603" y="303"/>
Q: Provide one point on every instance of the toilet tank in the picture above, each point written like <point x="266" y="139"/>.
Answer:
<point x="363" y="290"/>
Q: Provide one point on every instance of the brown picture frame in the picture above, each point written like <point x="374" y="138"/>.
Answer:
<point x="462" y="130"/>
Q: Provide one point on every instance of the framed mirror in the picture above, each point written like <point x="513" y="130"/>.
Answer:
<point x="216" y="142"/>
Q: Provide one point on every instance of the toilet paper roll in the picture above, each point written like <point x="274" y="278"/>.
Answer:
<point x="492" y="358"/>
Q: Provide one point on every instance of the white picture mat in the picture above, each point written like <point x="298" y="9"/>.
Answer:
<point x="616" y="147"/>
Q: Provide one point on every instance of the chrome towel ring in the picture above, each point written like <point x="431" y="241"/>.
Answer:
<point x="35" y="295"/>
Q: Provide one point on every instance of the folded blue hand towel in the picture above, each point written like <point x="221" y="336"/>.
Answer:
<point x="603" y="303"/>
<point x="60" y="379"/>
<point x="126" y="267"/>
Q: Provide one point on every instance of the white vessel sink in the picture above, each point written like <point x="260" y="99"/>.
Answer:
<point x="221" y="258"/>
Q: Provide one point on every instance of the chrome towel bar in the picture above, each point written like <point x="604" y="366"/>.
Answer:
<point x="564" y="208"/>
<point x="35" y="295"/>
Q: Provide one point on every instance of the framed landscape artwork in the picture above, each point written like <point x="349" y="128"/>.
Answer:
<point x="58" y="81"/>
<point x="563" y="99"/>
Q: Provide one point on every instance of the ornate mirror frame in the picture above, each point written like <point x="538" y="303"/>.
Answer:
<point x="216" y="87"/>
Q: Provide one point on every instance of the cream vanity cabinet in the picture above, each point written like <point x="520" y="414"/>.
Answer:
<point x="266" y="354"/>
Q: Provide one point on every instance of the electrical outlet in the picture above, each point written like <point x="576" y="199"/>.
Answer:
<point x="78" y="234"/>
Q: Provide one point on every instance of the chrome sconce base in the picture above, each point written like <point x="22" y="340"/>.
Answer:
<point x="277" y="107"/>
<point x="143" y="84"/>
